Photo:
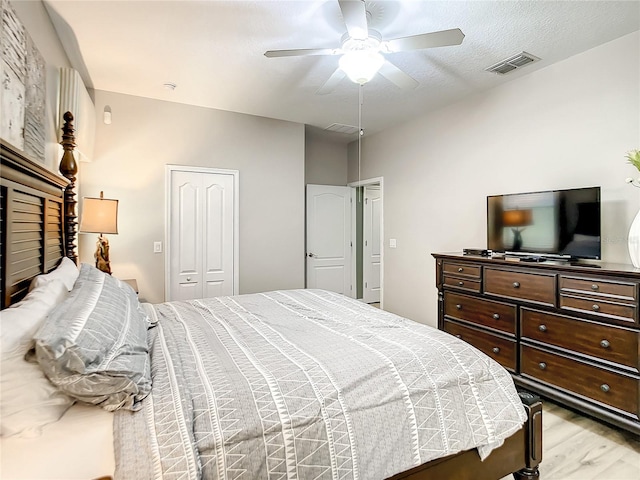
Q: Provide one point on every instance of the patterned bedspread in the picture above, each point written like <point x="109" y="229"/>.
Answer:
<point x="307" y="384"/>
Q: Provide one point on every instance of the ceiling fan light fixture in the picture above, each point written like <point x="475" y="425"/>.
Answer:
<point x="361" y="65"/>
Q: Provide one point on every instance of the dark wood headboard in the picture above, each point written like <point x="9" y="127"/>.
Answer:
<point x="38" y="221"/>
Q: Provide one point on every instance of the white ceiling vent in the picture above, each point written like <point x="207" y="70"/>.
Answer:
<point x="341" y="128"/>
<point x="511" y="63"/>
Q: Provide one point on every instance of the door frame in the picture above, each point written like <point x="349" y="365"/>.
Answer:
<point x="363" y="183"/>
<point x="169" y="169"/>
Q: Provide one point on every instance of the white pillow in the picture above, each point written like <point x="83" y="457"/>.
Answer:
<point x="27" y="399"/>
<point x="67" y="271"/>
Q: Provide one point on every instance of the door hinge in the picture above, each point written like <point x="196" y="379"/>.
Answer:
<point x="366" y="243"/>
<point x="366" y="284"/>
<point x="366" y="200"/>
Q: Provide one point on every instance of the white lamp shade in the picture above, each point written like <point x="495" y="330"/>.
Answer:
<point x="99" y="215"/>
<point x="361" y="65"/>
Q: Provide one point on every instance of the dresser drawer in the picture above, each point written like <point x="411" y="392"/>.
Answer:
<point x="532" y="287"/>
<point x="461" y="269"/>
<point x="489" y="313"/>
<point x="462" y="283"/>
<point x="502" y="350"/>
<point x="625" y="291"/>
<point x="600" y="307"/>
<point x="614" y="344"/>
<point x="614" y="389"/>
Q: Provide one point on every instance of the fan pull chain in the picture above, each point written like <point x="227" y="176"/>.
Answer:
<point x="360" y="130"/>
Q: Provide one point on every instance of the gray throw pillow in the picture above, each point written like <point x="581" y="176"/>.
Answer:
<point x="93" y="346"/>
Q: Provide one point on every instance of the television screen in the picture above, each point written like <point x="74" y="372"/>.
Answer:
<point x="563" y="223"/>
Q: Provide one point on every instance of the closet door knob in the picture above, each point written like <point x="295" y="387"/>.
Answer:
<point x="542" y="328"/>
<point x="516" y="284"/>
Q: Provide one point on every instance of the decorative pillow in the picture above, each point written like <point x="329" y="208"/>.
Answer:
<point x="67" y="271"/>
<point x="28" y="400"/>
<point x="94" y="345"/>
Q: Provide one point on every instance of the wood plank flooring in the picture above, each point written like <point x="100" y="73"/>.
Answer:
<point x="577" y="447"/>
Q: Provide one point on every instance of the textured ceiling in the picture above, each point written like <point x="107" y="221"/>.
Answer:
<point x="213" y="51"/>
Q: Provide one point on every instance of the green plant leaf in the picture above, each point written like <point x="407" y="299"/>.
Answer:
<point x="634" y="158"/>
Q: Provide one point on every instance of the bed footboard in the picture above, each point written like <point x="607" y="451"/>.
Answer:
<point x="520" y="454"/>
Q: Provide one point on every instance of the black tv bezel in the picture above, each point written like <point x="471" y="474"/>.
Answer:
<point x="556" y="255"/>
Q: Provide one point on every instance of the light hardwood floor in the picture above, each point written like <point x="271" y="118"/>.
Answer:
<point x="577" y="447"/>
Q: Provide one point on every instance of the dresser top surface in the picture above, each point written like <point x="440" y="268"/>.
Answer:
<point x="586" y="267"/>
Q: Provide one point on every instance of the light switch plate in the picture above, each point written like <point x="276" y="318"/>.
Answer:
<point x="392" y="243"/>
<point x="157" y="247"/>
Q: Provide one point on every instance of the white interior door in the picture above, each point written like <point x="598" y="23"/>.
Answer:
<point x="202" y="233"/>
<point x="372" y="245"/>
<point x="329" y="238"/>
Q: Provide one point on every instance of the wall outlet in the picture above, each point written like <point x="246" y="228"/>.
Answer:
<point x="157" y="247"/>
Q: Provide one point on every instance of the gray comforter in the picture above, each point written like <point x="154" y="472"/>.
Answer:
<point x="307" y="384"/>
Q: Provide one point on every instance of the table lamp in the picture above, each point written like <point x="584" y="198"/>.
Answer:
<point x="516" y="219"/>
<point x="100" y="215"/>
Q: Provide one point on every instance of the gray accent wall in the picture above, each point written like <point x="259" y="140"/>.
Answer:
<point x="565" y="126"/>
<point x="129" y="165"/>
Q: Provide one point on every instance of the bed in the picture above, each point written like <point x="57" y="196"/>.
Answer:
<point x="287" y="384"/>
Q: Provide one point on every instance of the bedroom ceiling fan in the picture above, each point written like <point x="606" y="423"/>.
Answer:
<point x="362" y="49"/>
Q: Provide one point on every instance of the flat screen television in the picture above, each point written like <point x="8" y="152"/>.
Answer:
<point x="560" y="224"/>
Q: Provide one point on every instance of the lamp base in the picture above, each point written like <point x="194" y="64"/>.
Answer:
<point x="102" y="255"/>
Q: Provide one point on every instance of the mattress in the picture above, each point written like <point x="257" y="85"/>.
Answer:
<point x="78" y="446"/>
<point x="307" y="384"/>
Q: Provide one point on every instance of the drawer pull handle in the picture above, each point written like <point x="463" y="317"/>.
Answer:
<point x="605" y="388"/>
<point x="495" y="350"/>
<point x="605" y="343"/>
<point x="595" y="308"/>
<point x="460" y="269"/>
<point x="460" y="284"/>
<point x="459" y="336"/>
<point x="516" y="284"/>
<point x="542" y="365"/>
<point x="594" y="287"/>
<point x="458" y="306"/>
<point x="542" y="328"/>
<point x="496" y="316"/>
<point x="188" y="279"/>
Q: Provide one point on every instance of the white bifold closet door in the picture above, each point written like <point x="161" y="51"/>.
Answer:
<point x="202" y="233"/>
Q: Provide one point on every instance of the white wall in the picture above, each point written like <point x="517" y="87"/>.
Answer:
<point x="129" y="165"/>
<point x="564" y="126"/>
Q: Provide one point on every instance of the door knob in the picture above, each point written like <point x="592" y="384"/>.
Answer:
<point x="312" y="255"/>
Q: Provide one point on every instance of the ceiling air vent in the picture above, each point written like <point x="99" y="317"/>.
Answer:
<point x="511" y="63"/>
<point x="340" y="128"/>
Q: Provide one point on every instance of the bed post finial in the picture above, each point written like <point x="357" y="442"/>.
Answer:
<point x="69" y="169"/>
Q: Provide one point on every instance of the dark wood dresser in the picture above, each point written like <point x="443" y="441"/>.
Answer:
<point x="569" y="332"/>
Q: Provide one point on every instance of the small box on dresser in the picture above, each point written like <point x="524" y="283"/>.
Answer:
<point x="568" y="332"/>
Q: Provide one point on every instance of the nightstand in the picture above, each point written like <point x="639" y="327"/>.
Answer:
<point x="132" y="283"/>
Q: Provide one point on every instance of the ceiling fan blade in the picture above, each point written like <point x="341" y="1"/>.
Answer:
<point x="300" y="52"/>
<point x="354" y="14"/>
<point x="333" y="81"/>
<point x="397" y="76"/>
<point x="443" y="38"/>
